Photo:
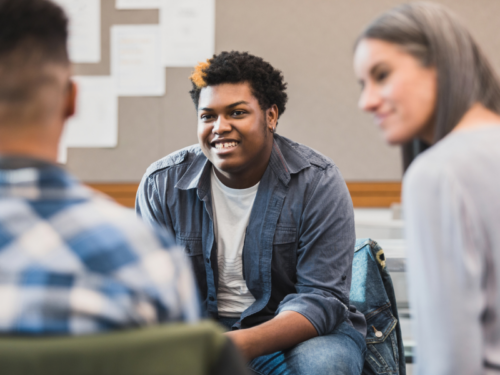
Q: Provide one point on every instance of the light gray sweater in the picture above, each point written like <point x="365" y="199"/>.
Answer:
<point x="451" y="199"/>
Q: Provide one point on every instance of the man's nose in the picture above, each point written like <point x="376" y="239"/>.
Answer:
<point x="221" y="125"/>
<point x="370" y="99"/>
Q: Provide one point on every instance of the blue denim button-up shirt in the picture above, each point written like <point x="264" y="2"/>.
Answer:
<point x="299" y="243"/>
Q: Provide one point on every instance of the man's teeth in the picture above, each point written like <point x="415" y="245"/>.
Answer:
<point x="220" y="146"/>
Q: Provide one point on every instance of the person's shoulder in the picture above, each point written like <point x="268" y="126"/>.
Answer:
<point x="427" y="164"/>
<point x="123" y="224"/>
<point x="448" y="158"/>
<point x="315" y="158"/>
<point x="424" y="173"/>
<point x="312" y="169"/>
<point x="183" y="157"/>
<point x="439" y="167"/>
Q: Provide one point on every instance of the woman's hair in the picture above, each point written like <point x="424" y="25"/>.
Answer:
<point x="436" y="37"/>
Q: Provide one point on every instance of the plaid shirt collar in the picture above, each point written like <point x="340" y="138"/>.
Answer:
<point x="36" y="179"/>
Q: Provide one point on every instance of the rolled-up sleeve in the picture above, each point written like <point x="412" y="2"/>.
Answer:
<point x="325" y="254"/>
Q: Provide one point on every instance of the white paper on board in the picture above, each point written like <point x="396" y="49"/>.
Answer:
<point x="84" y="29"/>
<point x="62" y="152"/>
<point x="188" y="31"/>
<point x="138" y="4"/>
<point x="136" y="60"/>
<point x="95" y="123"/>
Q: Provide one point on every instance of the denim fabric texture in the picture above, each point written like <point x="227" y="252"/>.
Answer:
<point x="339" y="353"/>
<point x="372" y="293"/>
<point x="299" y="242"/>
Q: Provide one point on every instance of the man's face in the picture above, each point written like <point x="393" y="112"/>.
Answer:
<point x="233" y="131"/>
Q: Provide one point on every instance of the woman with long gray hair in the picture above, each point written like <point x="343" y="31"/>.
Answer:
<point x="427" y="82"/>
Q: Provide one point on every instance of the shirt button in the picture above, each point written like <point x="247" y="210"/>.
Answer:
<point x="211" y="298"/>
<point x="208" y="260"/>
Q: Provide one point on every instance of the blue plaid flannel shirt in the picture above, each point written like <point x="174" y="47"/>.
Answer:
<point x="74" y="262"/>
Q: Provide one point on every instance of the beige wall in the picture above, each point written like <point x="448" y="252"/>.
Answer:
<point x="311" y="41"/>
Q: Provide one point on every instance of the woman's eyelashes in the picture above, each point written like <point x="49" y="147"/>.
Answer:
<point x="380" y="75"/>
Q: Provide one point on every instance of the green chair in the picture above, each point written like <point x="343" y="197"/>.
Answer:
<point x="170" y="349"/>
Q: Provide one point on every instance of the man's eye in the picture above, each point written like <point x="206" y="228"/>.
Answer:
<point x="206" y="117"/>
<point x="238" y="113"/>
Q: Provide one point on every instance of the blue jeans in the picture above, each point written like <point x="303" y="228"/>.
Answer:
<point x="340" y="353"/>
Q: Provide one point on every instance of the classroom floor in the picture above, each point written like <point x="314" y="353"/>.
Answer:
<point x="384" y="226"/>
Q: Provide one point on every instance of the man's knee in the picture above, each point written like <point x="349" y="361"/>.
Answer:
<point x="336" y="354"/>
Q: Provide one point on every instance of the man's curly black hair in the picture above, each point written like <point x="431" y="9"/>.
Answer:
<point x="267" y="83"/>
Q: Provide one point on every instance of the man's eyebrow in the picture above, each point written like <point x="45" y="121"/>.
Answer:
<point x="236" y="104"/>
<point x="227" y="107"/>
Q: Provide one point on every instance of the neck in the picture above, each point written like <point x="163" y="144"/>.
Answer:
<point x="40" y="142"/>
<point x="249" y="176"/>
<point x="478" y="116"/>
<point x="241" y="181"/>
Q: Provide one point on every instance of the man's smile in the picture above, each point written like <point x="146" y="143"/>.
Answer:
<point x="223" y="146"/>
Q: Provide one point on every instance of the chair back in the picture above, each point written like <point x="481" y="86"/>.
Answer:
<point x="169" y="349"/>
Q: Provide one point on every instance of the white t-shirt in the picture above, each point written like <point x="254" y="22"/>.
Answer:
<point x="232" y="208"/>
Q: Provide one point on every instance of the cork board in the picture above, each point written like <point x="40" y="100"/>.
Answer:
<point x="311" y="42"/>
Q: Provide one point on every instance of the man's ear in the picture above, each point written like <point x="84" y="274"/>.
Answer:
<point x="70" y="100"/>
<point x="272" y="117"/>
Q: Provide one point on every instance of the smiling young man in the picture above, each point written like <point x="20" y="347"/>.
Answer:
<point x="267" y="222"/>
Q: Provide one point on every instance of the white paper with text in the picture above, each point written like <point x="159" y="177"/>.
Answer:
<point x="188" y="31"/>
<point x="136" y="60"/>
<point x="95" y="123"/>
<point x="138" y="4"/>
<point x="84" y="16"/>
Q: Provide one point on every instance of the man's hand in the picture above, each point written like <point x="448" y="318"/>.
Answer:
<point x="284" y="331"/>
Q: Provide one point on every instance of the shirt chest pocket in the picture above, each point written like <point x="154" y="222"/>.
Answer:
<point x="193" y="248"/>
<point x="285" y="249"/>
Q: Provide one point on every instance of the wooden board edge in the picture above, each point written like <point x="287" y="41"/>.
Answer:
<point x="363" y="193"/>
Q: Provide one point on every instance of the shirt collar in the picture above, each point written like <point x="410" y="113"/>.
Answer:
<point x="285" y="160"/>
<point x="197" y="176"/>
<point x="31" y="178"/>
<point x="18" y="162"/>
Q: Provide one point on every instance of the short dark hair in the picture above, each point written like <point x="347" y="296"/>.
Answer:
<point x="40" y="23"/>
<point x="33" y="37"/>
<point x="267" y="83"/>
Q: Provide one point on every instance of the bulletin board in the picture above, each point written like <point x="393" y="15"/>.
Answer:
<point x="310" y="41"/>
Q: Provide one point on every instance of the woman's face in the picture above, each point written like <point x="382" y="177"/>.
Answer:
<point x="397" y="89"/>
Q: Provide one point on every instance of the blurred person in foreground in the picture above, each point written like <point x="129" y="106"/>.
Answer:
<point x="424" y="77"/>
<point x="71" y="261"/>
<point x="268" y="224"/>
